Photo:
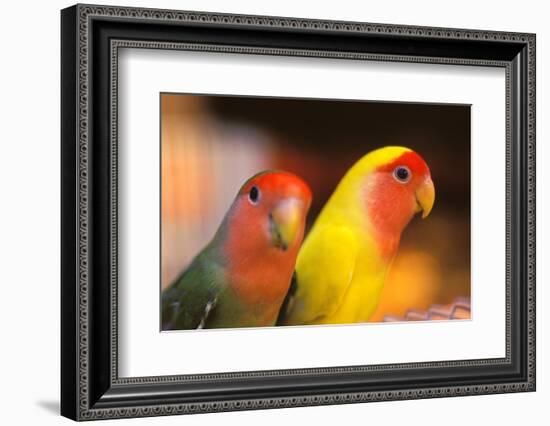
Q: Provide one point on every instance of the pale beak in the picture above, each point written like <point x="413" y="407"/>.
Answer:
<point x="425" y="197"/>
<point x="285" y="221"/>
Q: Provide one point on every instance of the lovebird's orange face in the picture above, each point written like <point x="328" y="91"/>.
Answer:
<point x="397" y="190"/>
<point x="265" y="228"/>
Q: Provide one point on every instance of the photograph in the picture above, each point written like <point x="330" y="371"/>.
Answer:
<point x="305" y="212"/>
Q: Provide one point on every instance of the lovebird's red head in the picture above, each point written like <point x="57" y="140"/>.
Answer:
<point x="263" y="231"/>
<point x="274" y="205"/>
<point x="396" y="183"/>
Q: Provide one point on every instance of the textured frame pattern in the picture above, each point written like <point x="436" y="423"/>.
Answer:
<point x="85" y="15"/>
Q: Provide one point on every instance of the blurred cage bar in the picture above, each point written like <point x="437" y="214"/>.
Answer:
<point x="211" y="144"/>
<point x="459" y="309"/>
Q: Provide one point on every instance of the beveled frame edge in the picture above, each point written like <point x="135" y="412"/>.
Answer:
<point x="75" y="199"/>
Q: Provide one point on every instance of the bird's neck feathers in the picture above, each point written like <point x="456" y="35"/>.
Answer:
<point x="388" y="212"/>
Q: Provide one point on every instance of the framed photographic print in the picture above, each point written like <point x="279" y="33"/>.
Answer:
<point x="264" y="212"/>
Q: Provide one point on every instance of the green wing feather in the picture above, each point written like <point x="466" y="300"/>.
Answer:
<point x="191" y="299"/>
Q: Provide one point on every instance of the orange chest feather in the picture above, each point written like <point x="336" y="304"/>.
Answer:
<point x="261" y="281"/>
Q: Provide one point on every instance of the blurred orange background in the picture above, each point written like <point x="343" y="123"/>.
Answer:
<point x="211" y="144"/>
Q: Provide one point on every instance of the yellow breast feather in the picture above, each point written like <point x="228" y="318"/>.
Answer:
<point x="324" y="269"/>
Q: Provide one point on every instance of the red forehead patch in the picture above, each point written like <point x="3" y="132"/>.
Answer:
<point x="279" y="182"/>
<point x="412" y="160"/>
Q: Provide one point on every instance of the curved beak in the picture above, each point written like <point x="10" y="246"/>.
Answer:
<point x="285" y="222"/>
<point x="425" y="197"/>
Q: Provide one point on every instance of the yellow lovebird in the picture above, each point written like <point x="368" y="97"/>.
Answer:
<point x="343" y="262"/>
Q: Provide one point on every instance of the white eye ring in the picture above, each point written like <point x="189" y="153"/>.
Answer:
<point x="254" y="195"/>
<point x="402" y="174"/>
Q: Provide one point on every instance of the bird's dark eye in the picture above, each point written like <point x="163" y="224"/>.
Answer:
<point x="254" y="195"/>
<point x="402" y="174"/>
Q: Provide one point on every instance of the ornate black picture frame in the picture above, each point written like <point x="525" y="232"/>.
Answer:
<point x="91" y="36"/>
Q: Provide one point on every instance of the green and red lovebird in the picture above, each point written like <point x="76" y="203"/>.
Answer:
<point x="242" y="276"/>
<point x="343" y="262"/>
